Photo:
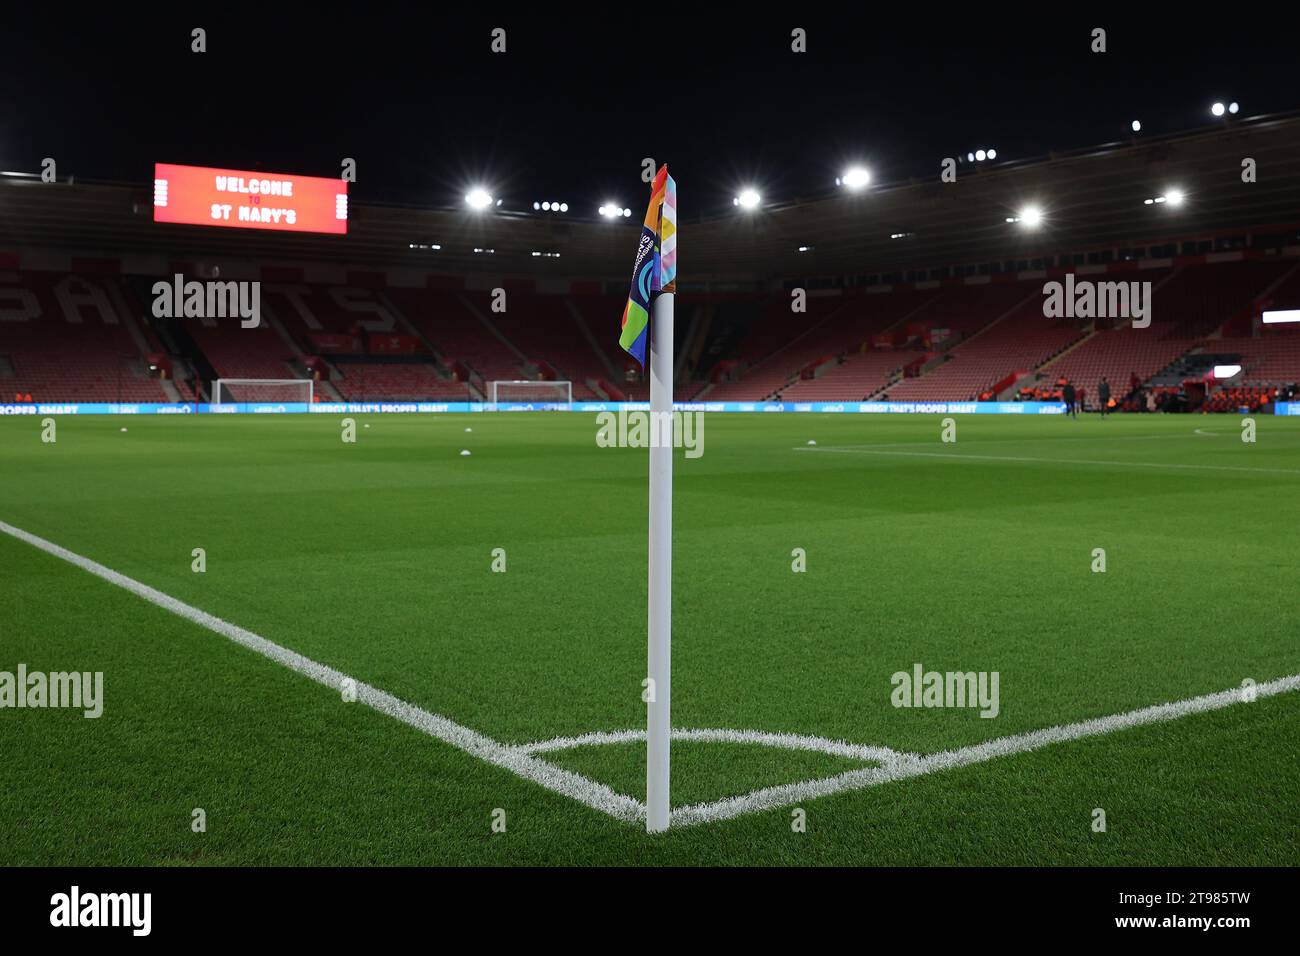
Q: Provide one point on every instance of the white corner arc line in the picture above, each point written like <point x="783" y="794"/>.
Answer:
<point x="955" y="456"/>
<point x="824" y="745"/>
<point x="912" y="766"/>
<point x="561" y="781"/>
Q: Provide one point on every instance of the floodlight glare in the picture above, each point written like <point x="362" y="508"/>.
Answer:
<point x="1031" y="217"/>
<point x="564" y="207"/>
<point x="855" y="178"/>
<point x="748" y="199"/>
<point x="537" y="205"/>
<point x="1174" y="197"/>
<point x="980" y="154"/>
<point x="970" y="157"/>
<point x="1217" y="109"/>
<point x="478" y="198"/>
<point x="1233" y="107"/>
<point x="1137" y="126"/>
<point x="627" y="213"/>
<point x="546" y="206"/>
<point x="1226" y="371"/>
<point x="993" y="154"/>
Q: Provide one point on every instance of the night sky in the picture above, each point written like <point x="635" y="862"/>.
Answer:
<point x="570" y="109"/>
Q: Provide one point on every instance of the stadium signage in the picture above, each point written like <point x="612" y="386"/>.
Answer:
<point x="205" y="196"/>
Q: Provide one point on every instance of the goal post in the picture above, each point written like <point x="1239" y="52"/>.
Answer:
<point x="524" y="390"/>
<point x="228" y="391"/>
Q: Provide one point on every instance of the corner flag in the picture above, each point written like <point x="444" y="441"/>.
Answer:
<point x="655" y="269"/>
<point x="654" y="279"/>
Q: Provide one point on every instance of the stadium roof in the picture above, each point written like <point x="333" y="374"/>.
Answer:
<point x="1089" y="198"/>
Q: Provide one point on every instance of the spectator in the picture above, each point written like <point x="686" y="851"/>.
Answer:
<point x="1103" y="395"/>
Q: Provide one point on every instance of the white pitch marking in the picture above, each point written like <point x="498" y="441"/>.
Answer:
<point x="911" y="766"/>
<point x="519" y="760"/>
<point x="834" y="748"/>
<point x="954" y="456"/>
<point x="565" y="782"/>
<point x="1201" y="431"/>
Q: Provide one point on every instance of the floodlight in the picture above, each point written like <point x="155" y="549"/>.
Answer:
<point x="855" y="178"/>
<point x="748" y="199"/>
<point x="1217" y="109"/>
<point x="1174" y="197"/>
<point x="478" y="198"/>
<point x="1031" y="216"/>
<point x="1137" y="126"/>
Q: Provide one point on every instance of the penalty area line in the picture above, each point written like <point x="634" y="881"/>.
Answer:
<point x="522" y="764"/>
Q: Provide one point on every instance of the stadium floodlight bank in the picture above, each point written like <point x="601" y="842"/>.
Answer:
<point x="230" y="391"/>
<point x="524" y="390"/>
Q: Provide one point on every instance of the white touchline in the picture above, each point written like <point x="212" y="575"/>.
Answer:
<point x="570" y="784"/>
<point x="850" y="450"/>
<point x="520" y="760"/>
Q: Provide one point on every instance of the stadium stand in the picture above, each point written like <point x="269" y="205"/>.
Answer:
<point x="1187" y="303"/>
<point x="1010" y="347"/>
<point x="64" y="340"/>
<point x="829" y="337"/>
<point x="956" y="341"/>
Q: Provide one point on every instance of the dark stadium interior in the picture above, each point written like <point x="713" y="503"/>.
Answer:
<point x="917" y="289"/>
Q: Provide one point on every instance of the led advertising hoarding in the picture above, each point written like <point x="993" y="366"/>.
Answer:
<point x="202" y="196"/>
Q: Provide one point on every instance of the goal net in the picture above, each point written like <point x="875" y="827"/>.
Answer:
<point x="227" y="391"/>
<point x="525" y="391"/>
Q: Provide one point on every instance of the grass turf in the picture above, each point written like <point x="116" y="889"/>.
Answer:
<point x="375" y="558"/>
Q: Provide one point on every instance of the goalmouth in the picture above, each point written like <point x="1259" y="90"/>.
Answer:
<point x="229" y="391"/>
<point x="523" y="390"/>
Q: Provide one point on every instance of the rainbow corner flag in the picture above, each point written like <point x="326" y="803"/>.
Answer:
<point x="655" y="270"/>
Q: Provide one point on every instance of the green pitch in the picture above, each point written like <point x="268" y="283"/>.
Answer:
<point x="376" y="558"/>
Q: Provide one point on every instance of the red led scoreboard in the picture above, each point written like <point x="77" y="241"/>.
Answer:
<point x="201" y="196"/>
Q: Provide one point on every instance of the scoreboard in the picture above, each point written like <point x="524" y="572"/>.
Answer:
<point x="203" y="196"/>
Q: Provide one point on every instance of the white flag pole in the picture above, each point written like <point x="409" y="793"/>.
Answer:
<point x="660" y="617"/>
